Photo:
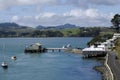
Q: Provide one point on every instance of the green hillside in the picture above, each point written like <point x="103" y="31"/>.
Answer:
<point x="73" y="32"/>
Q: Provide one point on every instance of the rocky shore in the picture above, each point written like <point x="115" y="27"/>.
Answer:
<point x="103" y="68"/>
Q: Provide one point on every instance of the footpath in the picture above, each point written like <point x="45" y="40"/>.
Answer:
<point x="114" y="65"/>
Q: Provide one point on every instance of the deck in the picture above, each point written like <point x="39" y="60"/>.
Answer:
<point x="56" y="49"/>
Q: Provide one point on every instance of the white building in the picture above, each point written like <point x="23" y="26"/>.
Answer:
<point x="103" y="47"/>
<point x="94" y="50"/>
<point x="116" y="35"/>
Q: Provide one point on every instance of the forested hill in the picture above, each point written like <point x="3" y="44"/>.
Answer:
<point x="66" y="30"/>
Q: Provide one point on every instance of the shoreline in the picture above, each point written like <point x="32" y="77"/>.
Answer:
<point x="104" y="69"/>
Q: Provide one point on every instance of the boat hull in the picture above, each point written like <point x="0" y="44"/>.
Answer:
<point x="4" y="65"/>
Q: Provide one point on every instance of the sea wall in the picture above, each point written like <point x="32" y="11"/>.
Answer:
<point x="104" y="69"/>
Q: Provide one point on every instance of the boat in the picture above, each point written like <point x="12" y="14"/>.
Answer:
<point x="4" y="63"/>
<point x="13" y="57"/>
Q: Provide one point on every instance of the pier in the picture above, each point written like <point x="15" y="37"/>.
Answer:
<point x="38" y="48"/>
<point x="56" y="49"/>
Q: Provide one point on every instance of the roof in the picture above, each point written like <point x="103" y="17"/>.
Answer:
<point x="101" y="46"/>
<point x="34" y="46"/>
<point x="38" y="44"/>
<point x="92" y="48"/>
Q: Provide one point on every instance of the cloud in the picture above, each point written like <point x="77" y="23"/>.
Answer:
<point x="88" y="17"/>
<point x="104" y="2"/>
<point x="46" y="15"/>
<point x="78" y="3"/>
<point x="88" y="3"/>
<point x="89" y="13"/>
<point x="10" y="3"/>
<point x="15" y="18"/>
<point x="7" y="3"/>
<point x="36" y="2"/>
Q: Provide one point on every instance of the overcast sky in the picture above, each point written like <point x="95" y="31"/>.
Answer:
<point x="56" y="12"/>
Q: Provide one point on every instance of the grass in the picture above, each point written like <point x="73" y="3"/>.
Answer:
<point x="117" y="46"/>
<point x="70" y="32"/>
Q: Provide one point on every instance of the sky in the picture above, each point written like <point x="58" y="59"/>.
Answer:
<point x="58" y="12"/>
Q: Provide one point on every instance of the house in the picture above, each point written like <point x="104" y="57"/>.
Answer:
<point x="116" y="35"/>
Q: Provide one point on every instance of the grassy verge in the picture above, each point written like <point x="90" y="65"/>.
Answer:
<point x="117" y="46"/>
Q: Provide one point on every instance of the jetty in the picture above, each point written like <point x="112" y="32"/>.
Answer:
<point x="56" y="49"/>
<point x="38" y="48"/>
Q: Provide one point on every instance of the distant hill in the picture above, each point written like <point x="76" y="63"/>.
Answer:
<point x="66" y="30"/>
<point x="9" y="25"/>
<point x="57" y="27"/>
<point x="40" y="27"/>
<point x="66" y="26"/>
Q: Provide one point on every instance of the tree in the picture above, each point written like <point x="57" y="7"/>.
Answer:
<point x="116" y="22"/>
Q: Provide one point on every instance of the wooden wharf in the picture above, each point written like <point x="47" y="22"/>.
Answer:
<point x="56" y="49"/>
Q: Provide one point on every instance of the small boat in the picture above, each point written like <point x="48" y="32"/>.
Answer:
<point x="13" y="57"/>
<point x="4" y="65"/>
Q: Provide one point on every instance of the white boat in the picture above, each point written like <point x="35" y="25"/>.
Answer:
<point x="13" y="57"/>
<point x="4" y="64"/>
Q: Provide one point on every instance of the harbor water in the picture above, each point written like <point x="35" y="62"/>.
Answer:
<point x="46" y="66"/>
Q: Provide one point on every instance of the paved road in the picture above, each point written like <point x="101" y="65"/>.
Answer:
<point x="114" y="65"/>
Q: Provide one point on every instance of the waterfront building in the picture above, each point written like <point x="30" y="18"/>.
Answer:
<point x="33" y="48"/>
<point x="116" y="35"/>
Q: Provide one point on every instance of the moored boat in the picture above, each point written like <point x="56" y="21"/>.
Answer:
<point x="4" y="65"/>
<point x="13" y="57"/>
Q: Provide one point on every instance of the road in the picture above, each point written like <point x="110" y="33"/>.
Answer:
<point x="114" y="65"/>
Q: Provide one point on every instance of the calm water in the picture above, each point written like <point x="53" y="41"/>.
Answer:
<point x="46" y="66"/>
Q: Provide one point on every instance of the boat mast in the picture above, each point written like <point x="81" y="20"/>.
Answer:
<point x="3" y="52"/>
